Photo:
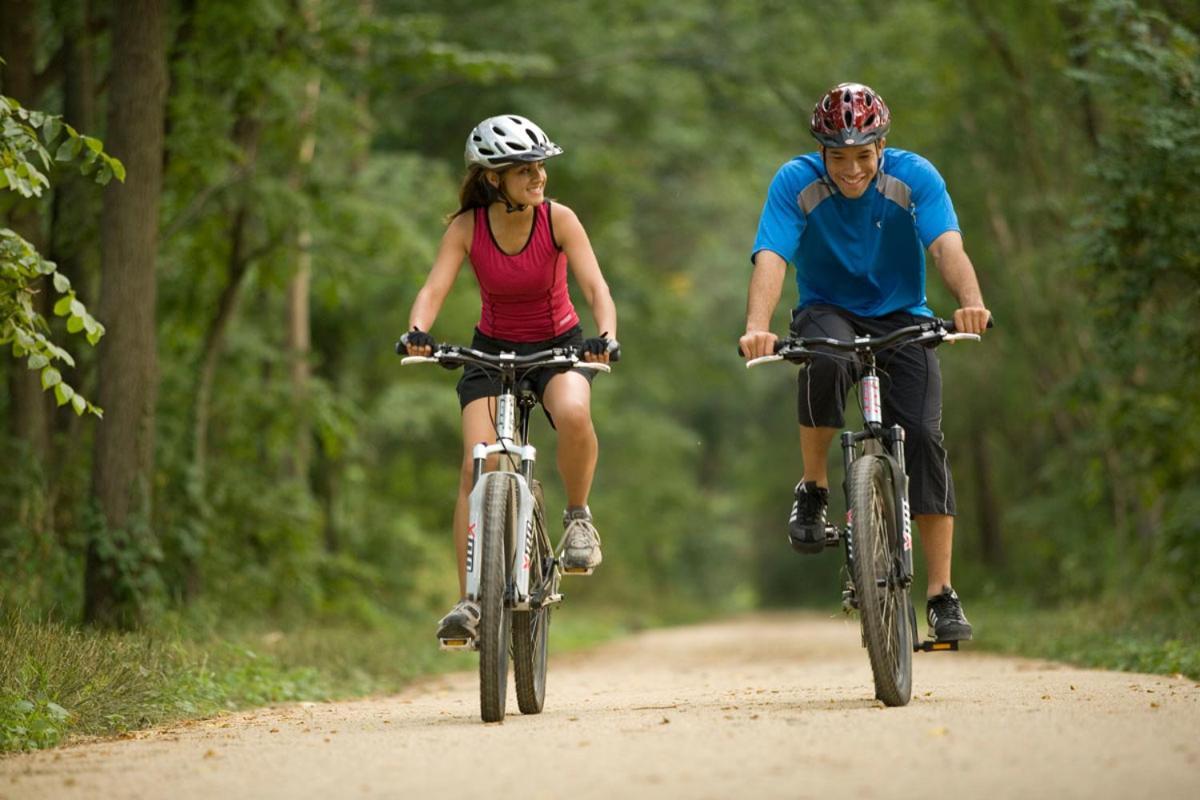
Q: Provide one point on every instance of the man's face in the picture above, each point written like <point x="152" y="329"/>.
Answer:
<point x="852" y="168"/>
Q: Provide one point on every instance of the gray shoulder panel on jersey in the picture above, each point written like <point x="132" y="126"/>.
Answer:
<point x="811" y="196"/>
<point x="895" y="190"/>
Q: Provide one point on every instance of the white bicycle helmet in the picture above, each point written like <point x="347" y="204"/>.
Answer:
<point x="507" y="139"/>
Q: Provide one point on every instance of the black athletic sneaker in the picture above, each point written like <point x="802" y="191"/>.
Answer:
<point x="947" y="622"/>
<point x="806" y="526"/>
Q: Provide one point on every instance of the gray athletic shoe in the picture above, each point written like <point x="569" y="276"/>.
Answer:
<point x="461" y="623"/>
<point x="581" y="548"/>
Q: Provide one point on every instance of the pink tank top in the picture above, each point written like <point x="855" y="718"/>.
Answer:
<point x="524" y="296"/>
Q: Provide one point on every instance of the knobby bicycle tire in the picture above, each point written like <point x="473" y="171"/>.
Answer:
<point x="531" y="629"/>
<point x="499" y="511"/>
<point x="884" y="609"/>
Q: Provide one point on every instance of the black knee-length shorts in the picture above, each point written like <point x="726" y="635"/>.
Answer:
<point x="476" y="382"/>
<point x="910" y="382"/>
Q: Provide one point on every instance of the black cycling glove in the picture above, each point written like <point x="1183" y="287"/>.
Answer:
<point x="417" y="338"/>
<point x="599" y="345"/>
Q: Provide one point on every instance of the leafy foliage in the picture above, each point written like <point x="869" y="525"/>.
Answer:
<point x="26" y="139"/>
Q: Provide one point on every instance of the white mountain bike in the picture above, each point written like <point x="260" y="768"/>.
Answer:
<point x="512" y="571"/>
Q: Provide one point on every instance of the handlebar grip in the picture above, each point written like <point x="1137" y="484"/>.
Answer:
<point x="779" y="345"/>
<point x="948" y="324"/>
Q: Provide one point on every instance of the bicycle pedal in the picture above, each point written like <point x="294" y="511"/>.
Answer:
<point x="933" y="646"/>
<point x="578" y="570"/>
<point x="456" y="644"/>
<point x="832" y="537"/>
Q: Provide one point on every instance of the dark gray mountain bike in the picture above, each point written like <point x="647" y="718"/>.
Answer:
<point x="878" y="530"/>
<point x="512" y="571"/>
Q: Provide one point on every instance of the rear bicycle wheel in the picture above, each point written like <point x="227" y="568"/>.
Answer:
<point x="884" y="605"/>
<point x="499" y="519"/>
<point x="531" y="629"/>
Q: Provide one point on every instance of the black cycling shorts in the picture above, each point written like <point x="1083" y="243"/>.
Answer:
<point x="476" y="382"/>
<point x="910" y="381"/>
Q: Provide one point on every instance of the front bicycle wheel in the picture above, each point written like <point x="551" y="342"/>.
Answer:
<point x="499" y="520"/>
<point x="884" y="604"/>
<point x="531" y="629"/>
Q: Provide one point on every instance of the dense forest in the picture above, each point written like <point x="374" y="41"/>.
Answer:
<point x="216" y="214"/>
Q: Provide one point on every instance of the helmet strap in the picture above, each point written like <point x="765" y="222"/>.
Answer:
<point x="497" y="193"/>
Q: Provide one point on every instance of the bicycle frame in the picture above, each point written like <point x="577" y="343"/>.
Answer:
<point x="891" y="442"/>
<point x="506" y="444"/>
<point x="513" y="406"/>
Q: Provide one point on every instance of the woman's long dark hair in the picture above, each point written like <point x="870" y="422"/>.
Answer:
<point x="475" y="192"/>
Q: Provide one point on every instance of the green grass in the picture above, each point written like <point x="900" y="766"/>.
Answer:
<point x="57" y="680"/>
<point x="1106" y="635"/>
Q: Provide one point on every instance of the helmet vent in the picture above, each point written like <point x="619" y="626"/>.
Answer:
<point x="516" y="145"/>
<point x="846" y="96"/>
<point x="868" y="99"/>
<point x="848" y="115"/>
<point x="870" y="121"/>
<point x="487" y="151"/>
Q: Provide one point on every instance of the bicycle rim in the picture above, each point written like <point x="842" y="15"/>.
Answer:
<point x="495" y="617"/>
<point x="883" y="603"/>
<point x="531" y="629"/>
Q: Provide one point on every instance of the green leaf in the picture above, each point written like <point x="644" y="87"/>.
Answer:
<point x="77" y="308"/>
<point x="51" y="129"/>
<point x="62" y="284"/>
<point x="50" y="377"/>
<point x="68" y="150"/>
<point x="63" y="393"/>
<point x="94" y="144"/>
<point x="104" y="175"/>
<point x="74" y="324"/>
<point x="37" y="361"/>
<point x="79" y="404"/>
<point x="117" y="167"/>
<point x="63" y="307"/>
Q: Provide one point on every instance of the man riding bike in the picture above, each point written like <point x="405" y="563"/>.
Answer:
<point x="855" y="218"/>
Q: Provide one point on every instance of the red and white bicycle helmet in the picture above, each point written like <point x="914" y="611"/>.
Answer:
<point x="507" y="139"/>
<point x="850" y="114"/>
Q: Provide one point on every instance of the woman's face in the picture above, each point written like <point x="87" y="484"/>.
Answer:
<point x="525" y="184"/>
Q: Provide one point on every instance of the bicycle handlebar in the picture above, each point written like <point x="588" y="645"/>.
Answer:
<point x="452" y="355"/>
<point x="933" y="332"/>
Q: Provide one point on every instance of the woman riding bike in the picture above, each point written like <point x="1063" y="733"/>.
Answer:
<point x="520" y="244"/>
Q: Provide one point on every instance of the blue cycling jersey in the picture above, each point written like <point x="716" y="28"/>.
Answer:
<point x="866" y="255"/>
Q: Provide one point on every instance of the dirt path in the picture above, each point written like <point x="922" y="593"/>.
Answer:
<point x="760" y="707"/>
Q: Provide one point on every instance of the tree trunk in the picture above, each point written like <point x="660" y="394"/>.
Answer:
<point x="298" y="324"/>
<point x="123" y="462"/>
<point x="30" y="420"/>
<point x="75" y="206"/>
<point x="246" y="134"/>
